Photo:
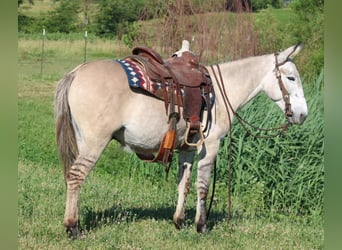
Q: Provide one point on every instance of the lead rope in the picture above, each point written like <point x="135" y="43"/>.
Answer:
<point x="244" y="124"/>
<point x="230" y="141"/>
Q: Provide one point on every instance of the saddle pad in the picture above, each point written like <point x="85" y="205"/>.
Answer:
<point x="137" y="78"/>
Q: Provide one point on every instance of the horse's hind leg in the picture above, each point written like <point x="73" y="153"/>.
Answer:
<point x="75" y="177"/>
<point x="185" y="162"/>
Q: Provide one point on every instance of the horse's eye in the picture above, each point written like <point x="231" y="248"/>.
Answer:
<point x="291" y="78"/>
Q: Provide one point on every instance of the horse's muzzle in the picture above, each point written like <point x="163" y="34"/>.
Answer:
<point x="298" y="118"/>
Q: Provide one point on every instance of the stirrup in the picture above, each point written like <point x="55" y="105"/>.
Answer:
<point x="199" y="142"/>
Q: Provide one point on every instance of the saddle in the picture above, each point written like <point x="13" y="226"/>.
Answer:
<point x="184" y="83"/>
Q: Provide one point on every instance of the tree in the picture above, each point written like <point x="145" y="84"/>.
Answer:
<point x="64" y="18"/>
<point x="22" y="1"/>
<point x="115" y="16"/>
<point x="24" y="21"/>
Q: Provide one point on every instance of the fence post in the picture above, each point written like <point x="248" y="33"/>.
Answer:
<point x="42" y="56"/>
<point x="85" y="45"/>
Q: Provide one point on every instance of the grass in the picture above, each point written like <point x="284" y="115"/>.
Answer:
<point x="122" y="213"/>
<point x="127" y="204"/>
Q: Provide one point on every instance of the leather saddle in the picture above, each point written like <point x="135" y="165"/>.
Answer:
<point x="184" y="70"/>
<point x="182" y="74"/>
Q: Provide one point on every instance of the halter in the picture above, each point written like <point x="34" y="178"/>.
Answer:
<point x="284" y="92"/>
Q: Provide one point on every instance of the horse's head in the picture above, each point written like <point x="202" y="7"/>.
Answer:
<point x="283" y="85"/>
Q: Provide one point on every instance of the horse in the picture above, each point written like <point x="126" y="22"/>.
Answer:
<point x="94" y="104"/>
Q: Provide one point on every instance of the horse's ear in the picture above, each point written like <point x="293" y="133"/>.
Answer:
<point x="290" y="52"/>
<point x="295" y="50"/>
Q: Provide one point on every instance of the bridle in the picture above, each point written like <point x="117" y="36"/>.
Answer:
<point x="288" y="113"/>
<point x="284" y="92"/>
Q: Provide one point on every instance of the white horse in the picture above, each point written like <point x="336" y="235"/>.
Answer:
<point x="94" y="104"/>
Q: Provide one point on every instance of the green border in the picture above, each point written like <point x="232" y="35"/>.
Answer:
<point x="333" y="124"/>
<point x="8" y="131"/>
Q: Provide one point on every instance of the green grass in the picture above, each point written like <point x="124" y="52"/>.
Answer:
<point x="119" y="212"/>
<point x="125" y="203"/>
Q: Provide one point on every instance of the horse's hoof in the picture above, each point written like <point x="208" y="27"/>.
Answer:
<point x="178" y="222"/>
<point x="201" y="228"/>
<point x="74" y="232"/>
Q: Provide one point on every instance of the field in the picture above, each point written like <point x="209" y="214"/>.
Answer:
<point x="127" y="204"/>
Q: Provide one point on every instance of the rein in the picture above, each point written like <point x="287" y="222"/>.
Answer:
<point x="244" y="123"/>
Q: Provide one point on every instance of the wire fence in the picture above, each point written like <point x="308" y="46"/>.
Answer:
<point x="48" y="55"/>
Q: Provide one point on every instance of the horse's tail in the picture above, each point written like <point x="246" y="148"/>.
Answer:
<point x="65" y="134"/>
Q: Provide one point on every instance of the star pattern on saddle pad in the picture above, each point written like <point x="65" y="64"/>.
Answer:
<point x="134" y="78"/>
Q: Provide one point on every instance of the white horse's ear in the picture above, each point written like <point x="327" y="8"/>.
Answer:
<point x="290" y="52"/>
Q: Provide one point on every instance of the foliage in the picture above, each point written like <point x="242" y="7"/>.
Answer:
<point x="64" y="18"/>
<point x="303" y="23"/>
<point x="260" y="4"/>
<point x="235" y="38"/>
<point x="133" y="31"/>
<point x="309" y="29"/>
<point x="26" y="24"/>
<point x="22" y="1"/>
<point x="268" y="31"/>
<point x="274" y="28"/>
<point x="115" y="15"/>
<point x="255" y="5"/>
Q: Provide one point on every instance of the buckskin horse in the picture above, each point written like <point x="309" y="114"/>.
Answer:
<point x="94" y="104"/>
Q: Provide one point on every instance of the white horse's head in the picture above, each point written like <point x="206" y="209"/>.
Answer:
<point x="284" y="86"/>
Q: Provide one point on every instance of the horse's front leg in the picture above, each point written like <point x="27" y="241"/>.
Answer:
<point x="185" y="161"/>
<point x="207" y="158"/>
